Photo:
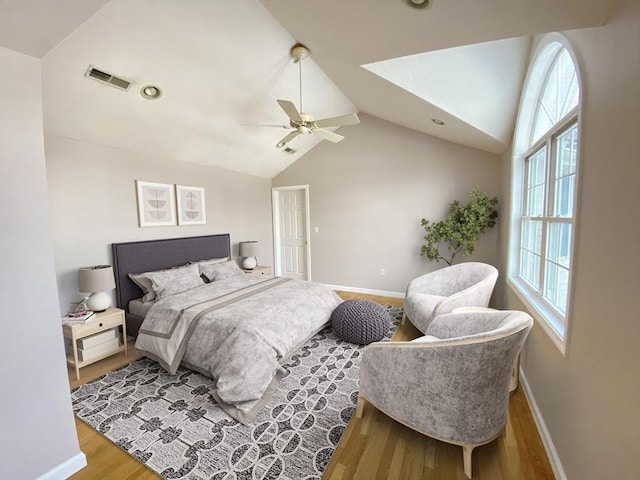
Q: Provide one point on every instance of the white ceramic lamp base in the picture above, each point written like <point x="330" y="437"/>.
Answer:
<point x="249" y="263"/>
<point x="99" y="301"/>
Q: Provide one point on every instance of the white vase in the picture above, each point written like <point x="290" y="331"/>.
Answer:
<point x="99" y="301"/>
<point x="249" y="263"/>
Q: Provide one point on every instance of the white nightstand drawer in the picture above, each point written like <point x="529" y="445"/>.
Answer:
<point x="99" y="324"/>
<point x="259" y="270"/>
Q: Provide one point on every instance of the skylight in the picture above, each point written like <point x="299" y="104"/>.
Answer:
<point x="480" y="84"/>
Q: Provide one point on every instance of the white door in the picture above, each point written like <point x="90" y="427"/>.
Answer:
<point x="291" y="229"/>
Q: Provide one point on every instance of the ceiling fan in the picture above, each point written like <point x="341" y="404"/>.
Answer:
<point x="302" y="123"/>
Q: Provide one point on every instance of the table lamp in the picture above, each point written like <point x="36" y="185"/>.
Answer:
<point x="249" y="252"/>
<point x="98" y="281"/>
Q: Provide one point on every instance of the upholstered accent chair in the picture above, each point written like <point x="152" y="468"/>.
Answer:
<point x="468" y="284"/>
<point x="453" y="383"/>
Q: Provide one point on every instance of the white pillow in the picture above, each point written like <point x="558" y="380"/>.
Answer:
<point x="211" y="261"/>
<point x="205" y="263"/>
<point x="174" y="281"/>
<point x="220" y="271"/>
<point x="143" y="281"/>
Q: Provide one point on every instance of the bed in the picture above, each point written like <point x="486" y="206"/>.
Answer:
<point x="144" y="256"/>
<point x="237" y="328"/>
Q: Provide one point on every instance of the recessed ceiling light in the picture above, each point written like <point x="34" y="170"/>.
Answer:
<point x="437" y="121"/>
<point x="418" y="4"/>
<point x="150" y="92"/>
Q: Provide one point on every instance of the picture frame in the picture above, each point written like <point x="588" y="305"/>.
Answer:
<point x="191" y="205"/>
<point x="156" y="204"/>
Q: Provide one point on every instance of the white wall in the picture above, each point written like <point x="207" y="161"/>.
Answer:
<point x="93" y="203"/>
<point x="37" y="432"/>
<point x="369" y="192"/>
<point x="589" y="400"/>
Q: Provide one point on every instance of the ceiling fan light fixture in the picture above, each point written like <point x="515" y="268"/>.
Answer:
<point x="418" y="4"/>
<point x="299" y="52"/>
<point x="302" y="123"/>
<point x="150" y="92"/>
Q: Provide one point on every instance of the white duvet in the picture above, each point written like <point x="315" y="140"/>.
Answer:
<point x="237" y="331"/>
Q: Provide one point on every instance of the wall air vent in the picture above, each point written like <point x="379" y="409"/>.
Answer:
<point x="290" y="150"/>
<point x="104" y="77"/>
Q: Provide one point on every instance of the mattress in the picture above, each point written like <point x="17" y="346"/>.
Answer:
<point x="140" y="308"/>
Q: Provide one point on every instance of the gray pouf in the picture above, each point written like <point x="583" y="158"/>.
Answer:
<point x="360" y="321"/>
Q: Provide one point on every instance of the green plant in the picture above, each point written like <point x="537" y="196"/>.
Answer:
<point x="461" y="228"/>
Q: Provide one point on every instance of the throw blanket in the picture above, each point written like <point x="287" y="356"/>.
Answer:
<point x="237" y="331"/>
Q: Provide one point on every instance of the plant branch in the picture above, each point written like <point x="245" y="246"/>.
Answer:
<point x="461" y="228"/>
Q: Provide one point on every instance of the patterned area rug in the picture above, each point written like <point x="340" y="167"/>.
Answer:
<point x="172" y="424"/>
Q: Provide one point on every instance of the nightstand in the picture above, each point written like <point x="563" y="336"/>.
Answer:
<point x="100" y="322"/>
<point x="259" y="270"/>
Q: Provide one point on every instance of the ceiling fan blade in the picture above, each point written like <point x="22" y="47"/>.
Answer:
<point x="291" y="110"/>
<point x="287" y="138"/>
<point x="327" y="135"/>
<point x="351" y="119"/>
<point x="286" y="127"/>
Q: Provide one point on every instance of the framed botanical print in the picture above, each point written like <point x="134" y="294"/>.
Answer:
<point x="191" y="206"/>
<point x="156" y="204"/>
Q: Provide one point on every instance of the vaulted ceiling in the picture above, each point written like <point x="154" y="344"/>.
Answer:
<point x="221" y="64"/>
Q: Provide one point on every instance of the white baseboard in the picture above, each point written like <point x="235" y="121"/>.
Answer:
<point x="382" y="293"/>
<point x="66" y="469"/>
<point x="549" y="447"/>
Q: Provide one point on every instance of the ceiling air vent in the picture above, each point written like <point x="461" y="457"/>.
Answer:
<point x="107" y="78"/>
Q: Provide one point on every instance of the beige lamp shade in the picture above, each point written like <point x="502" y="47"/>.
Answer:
<point x="249" y="252"/>
<point x="249" y="249"/>
<point x="98" y="281"/>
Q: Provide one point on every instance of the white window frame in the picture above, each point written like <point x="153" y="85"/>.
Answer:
<point x="552" y="321"/>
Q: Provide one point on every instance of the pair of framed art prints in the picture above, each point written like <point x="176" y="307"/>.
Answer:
<point x="157" y="204"/>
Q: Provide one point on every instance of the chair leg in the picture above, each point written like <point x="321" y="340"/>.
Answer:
<point x="404" y="319"/>
<point x="360" y="406"/>
<point x="515" y="376"/>
<point x="467" y="450"/>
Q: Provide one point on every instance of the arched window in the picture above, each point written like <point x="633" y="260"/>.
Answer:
<point x="545" y="166"/>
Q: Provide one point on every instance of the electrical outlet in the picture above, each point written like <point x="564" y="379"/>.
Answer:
<point x="316" y="229"/>
<point x="382" y="272"/>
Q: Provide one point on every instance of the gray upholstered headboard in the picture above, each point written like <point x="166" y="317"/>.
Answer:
<point x="145" y="256"/>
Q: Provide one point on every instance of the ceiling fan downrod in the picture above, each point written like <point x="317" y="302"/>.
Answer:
<point x="300" y="69"/>
<point x="299" y="52"/>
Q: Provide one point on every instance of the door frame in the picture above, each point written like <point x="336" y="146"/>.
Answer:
<point x="277" y="237"/>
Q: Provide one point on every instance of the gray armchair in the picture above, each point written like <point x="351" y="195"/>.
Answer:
<point x="468" y="284"/>
<point x="453" y="383"/>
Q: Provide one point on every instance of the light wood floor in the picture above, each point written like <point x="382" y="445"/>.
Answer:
<point x="373" y="447"/>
